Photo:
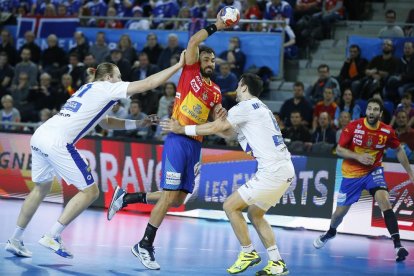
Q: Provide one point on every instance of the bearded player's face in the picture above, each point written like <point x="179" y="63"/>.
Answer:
<point x="208" y="64"/>
<point x="374" y="113"/>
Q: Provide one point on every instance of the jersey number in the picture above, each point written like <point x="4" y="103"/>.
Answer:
<point x="382" y="139"/>
<point x="83" y="90"/>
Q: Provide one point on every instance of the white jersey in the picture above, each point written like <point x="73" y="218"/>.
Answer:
<point x="83" y="111"/>
<point x="259" y="133"/>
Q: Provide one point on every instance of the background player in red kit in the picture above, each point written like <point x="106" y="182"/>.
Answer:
<point x="197" y="96"/>
<point x="362" y="144"/>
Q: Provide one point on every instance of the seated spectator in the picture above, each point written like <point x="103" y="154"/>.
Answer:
<point x="164" y="9"/>
<point x="173" y="48"/>
<point x="6" y="74"/>
<point x="315" y="92"/>
<point x="26" y="66"/>
<point x="20" y="91"/>
<point x="324" y="131"/>
<point x="123" y="64"/>
<point x="44" y="115"/>
<point x="234" y="56"/>
<point x="279" y="121"/>
<point x="148" y="101"/>
<point x="252" y="12"/>
<point x="8" y="113"/>
<point x="306" y="8"/>
<point x="62" y="11"/>
<point x="343" y="121"/>
<point x="297" y="131"/>
<point x="135" y="113"/>
<point x="76" y="69"/>
<point x="137" y="24"/>
<point x="42" y="96"/>
<point x="184" y="13"/>
<point x="53" y="58"/>
<point x="408" y="30"/>
<point x="73" y="6"/>
<point x="30" y="43"/>
<point x="110" y="23"/>
<point x="82" y="46"/>
<point x="289" y="45"/>
<point x="403" y="130"/>
<point x="176" y="77"/>
<point x="143" y="68"/>
<point x="88" y="62"/>
<point x="377" y="72"/>
<point x="228" y="82"/>
<point x="353" y="68"/>
<point x="347" y="103"/>
<point x="332" y="11"/>
<point x="298" y="102"/>
<point x="117" y="111"/>
<point x="99" y="49"/>
<point x="64" y="91"/>
<point x="328" y="105"/>
<point x="152" y="48"/>
<point x="403" y="79"/>
<point x="391" y="30"/>
<point x="7" y="46"/>
<point x="406" y="105"/>
<point x="96" y="7"/>
<point x="167" y="99"/>
<point x="127" y="48"/>
<point x="279" y="10"/>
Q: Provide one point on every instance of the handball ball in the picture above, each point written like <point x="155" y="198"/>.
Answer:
<point x="230" y="15"/>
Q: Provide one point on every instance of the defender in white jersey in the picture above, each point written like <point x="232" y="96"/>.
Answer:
<point x="259" y="135"/>
<point x="54" y="152"/>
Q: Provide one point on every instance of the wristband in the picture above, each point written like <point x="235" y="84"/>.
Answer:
<point x="190" y="130"/>
<point x="130" y="124"/>
<point x="211" y="29"/>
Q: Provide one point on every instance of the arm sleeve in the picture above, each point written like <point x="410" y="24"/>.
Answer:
<point x="346" y="136"/>
<point x="237" y="116"/>
<point x="118" y="90"/>
<point x="392" y="140"/>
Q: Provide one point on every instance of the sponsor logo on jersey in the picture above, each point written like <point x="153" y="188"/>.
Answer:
<point x="369" y="141"/>
<point x="178" y="95"/>
<point x="172" y="178"/>
<point x="194" y="85"/>
<point x="63" y="114"/>
<point x="357" y="141"/>
<point x="199" y="81"/>
<point x="72" y="106"/>
<point x="205" y="96"/>
<point x="379" y="146"/>
<point x="385" y="130"/>
<point x="211" y="104"/>
<point x="359" y="126"/>
<point x="197" y="109"/>
<point x="358" y="131"/>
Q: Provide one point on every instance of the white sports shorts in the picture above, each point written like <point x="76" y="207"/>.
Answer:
<point x="265" y="188"/>
<point x="50" y="158"/>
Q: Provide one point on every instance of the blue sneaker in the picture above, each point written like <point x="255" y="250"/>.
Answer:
<point x="116" y="202"/>
<point x="146" y="255"/>
<point x="56" y="245"/>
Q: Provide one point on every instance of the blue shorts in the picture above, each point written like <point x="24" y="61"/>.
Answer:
<point x="179" y="157"/>
<point x="351" y="188"/>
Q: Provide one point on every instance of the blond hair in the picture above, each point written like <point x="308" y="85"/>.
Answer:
<point x="99" y="73"/>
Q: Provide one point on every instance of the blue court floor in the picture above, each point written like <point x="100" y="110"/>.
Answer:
<point x="184" y="246"/>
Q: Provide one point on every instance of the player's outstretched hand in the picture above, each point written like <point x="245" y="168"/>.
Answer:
<point x="150" y="120"/>
<point x="171" y="125"/>
<point x="220" y="112"/>
<point x="182" y="59"/>
<point x="220" y="23"/>
<point x="366" y="159"/>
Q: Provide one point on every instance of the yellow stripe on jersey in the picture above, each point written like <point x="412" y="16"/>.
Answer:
<point x="194" y="109"/>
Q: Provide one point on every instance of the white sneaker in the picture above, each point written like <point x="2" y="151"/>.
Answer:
<point x="116" y="202"/>
<point x="17" y="248"/>
<point x="320" y="241"/>
<point x="400" y="253"/>
<point x="56" y="245"/>
<point x="146" y="255"/>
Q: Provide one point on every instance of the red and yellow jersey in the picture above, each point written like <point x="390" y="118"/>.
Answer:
<point x="359" y="137"/>
<point x="195" y="98"/>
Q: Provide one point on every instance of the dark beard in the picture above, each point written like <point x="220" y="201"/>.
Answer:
<point x="204" y="74"/>
<point x="386" y="52"/>
<point x="374" y="122"/>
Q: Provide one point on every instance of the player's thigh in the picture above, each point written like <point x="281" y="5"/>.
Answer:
<point x="42" y="170"/>
<point x="350" y="190"/>
<point x="71" y="166"/>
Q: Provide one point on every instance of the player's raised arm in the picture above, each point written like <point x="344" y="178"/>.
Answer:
<point x="191" y="54"/>
<point x="155" y="80"/>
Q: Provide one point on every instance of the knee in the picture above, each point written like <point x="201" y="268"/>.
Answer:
<point x="42" y="189"/>
<point x="227" y="207"/>
<point x="177" y="202"/>
<point x="253" y="219"/>
<point x="93" y="192"/>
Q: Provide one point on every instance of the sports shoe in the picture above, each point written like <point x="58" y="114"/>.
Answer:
<point x="56" y="245"/>
<point x="116" y="202"/>
<point x="401" y="253"/>
<point x="274" y="268"/>
<point x="244" y="261"/>
<point x="146" y="255"/>
<point x="17" y="248"/>
<point x="320" y="241"/>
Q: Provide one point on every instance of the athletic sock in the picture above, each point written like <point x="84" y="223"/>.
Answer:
<point x="18" y="233"/>
<point x="247" y="249"/>
<point x="134" y="198"/>
<point x="149" y="236"/>
<point x="331" y="232"/>
<point x="57" y="229"/>
<point x="392" y="226"/>
<point x="273" y="253"/>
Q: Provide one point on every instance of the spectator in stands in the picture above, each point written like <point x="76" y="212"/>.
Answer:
<point x="386" y="114"/>
<point x="8" y="113"/>
<point x="8" y="47"/>
<point x="76" y="69"/>
<point x="403" y="79"/>
<point x="252" y="12"/>
<point x="49" y="11"/>
<point x="123" y="64"/>
<point x="167" y="99"/>
<point x="73" y="6"/>
<point x="377" y="72"/>
<point x="96" y="7"/>
<point x="62" y="10"/>
<point x="110" y="23"/>
<point x="53" y="58"/>
<point x="99" y="49"/>
<point x="347" y="103"/>
<point x="234" y="56"/>
<point x="353" y="68"/>
<point x="137" y="24"/>
<point x="127" y="48"/>
<point x="164" y="9"/>
<point x="279" y="10"/>
<point x="403" y="130"/>
<point x="227" y="81"/>
<point x="343" y="121"/>
<point x="89" y="61"/>
<point x="82" y="46"/>
<point x="173" y="48"/>
<point x="143" y="68"/>
<point x="6" y="74"/>
<point x="44" y="115"/>
<point x="26" y="66"/>
<point x="391" y="30"/>
<point x="324" y="131"/>
<point x="42" y="96"/>
<point x="306" y="7"/>
<point x="64" y="91"/>
<point x="148" y="101"/>
<point x="117" y="111"/>
<point x="30" y="43"/>
<point x="159" y="135"/>
<point x="332" y="11"/>
<point x="406" y="105"/>
<point x="327" y="105"/>
<point x="315" y="92"/>
<point x="408" y="30"/>
<point x="20" y="92"/>
<point x="135" y="113"/>
<point x="297" y="131"/>
<point x="184" y="13"/>
<point x="289" y="45"/>
<point x="176" y="77"/>
<point x="298" y="102"/>
<point x="152" y="48"/>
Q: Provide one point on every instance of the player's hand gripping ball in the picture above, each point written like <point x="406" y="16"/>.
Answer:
<point x="230" y="16"/>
